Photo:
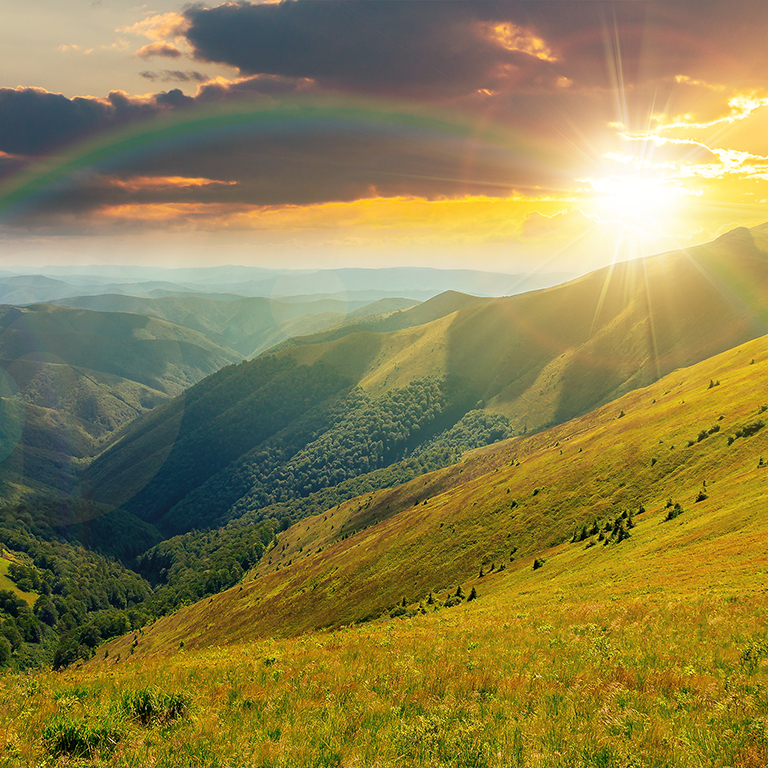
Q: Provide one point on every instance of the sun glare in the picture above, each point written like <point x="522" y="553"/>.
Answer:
<point x="642" y="199"/>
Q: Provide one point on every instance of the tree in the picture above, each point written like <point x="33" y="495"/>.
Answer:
<point x="46" y="611"/>
<point x="5" y="651"/>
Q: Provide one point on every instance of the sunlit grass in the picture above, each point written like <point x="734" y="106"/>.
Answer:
<point x="647" y="683"/>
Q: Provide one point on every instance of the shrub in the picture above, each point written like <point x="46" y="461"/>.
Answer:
<point x="747" y="430"/>
<point x="148" y="705"/>
<point x="472" y="595"/>
<point x="674" y="512"/>
<point x="79" y="738"/>
<point x="701" y="496"/>
<point x="5" y="651"/>
<point x="623" y="534"/>
<point x="537" y="563"/>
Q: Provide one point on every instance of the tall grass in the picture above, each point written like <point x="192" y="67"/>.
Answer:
<point x="566" y="683"/>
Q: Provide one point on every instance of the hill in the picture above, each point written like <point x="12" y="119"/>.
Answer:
<point x="372" y="395"/>
<point x="78" y="376"/>
<point x="543" y="357"/>
<point x="679" y="466"/>
<point x="581" y="647"/>
<point x="235" y="434"/>
<point x="247" y="325"/>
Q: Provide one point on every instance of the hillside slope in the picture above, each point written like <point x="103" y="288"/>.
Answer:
<point x="679" y="441"/>
<point x="81" y="376"/>
<point x="543" y="357"/>
<point x="537" y="359"/>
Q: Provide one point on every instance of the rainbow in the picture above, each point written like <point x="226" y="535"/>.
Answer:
<point x="198" y="123"/>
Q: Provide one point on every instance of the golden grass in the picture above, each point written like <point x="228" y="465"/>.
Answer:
<point x="544" y="680"/>
<point x="651" y="652"/>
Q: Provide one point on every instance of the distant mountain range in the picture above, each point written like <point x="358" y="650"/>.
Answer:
<point x="225" y="283"/>
<point x="82" y="375"/>
<point x="247" y="325"/>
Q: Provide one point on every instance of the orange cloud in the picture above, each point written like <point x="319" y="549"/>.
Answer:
<point x="159" y="26"/>
<point x="166" y="50"/>
<point x="465" y="220"/>
<point x="140" y="183"/>
<point x="514" y="38"/>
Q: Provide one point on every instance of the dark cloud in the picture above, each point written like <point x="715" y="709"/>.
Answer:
<point x="174" y="76"/>
<point x="33" y="121"/>
<point x="548" y="69"/>
<point x="435" y="49"/>
<point x="290" y="165"/>
<point x="419" y="48"/>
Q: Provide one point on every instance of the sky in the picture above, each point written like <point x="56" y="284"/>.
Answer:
<point x="536" y="136"/>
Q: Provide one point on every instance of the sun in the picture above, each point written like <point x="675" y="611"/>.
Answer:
<point x="645" y="200"/>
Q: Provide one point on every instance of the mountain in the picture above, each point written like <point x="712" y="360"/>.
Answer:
<point x="247" y="325"/>
<point x="72" y="378"/>
<point x="354" y="284"/>
<point x="336" y="406"/>
<point x="669" y="479"/>
<point x="546" y="356"/>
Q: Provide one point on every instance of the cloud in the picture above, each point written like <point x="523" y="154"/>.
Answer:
<point x="446" y="49"/>
<point x="583" y="86"/>
<point x="34" y="121"/>
<point x="163" y="49"/>
<point x="175" y="76"/>
<point x="430" y="49"/>
<point x="159" y="26"/>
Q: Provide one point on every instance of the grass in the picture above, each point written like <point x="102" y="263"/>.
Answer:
<point x="547" y="680"/>
<point x="649" y="652"/>
<point x="6" y="558"/>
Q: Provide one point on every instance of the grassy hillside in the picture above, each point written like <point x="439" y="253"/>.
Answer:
<point x="546" y="356"/>
<point x="235" y="434"/>
<point x="158" y="354"/>
<point x="504" y="506"/>
<point x="649" y="651"/>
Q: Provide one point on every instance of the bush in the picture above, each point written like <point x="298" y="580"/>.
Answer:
<point x="674" y="511"/>
<point x="79" y="738"/>
<point x="5" y="651"/>
<point x="747" y="430"/>
<point x="148" y="705"/>
<point x="537" y="563"/>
